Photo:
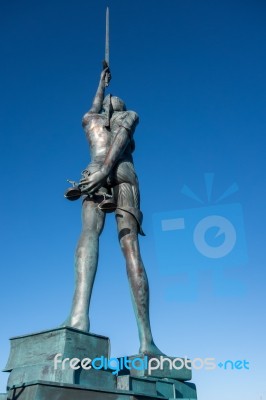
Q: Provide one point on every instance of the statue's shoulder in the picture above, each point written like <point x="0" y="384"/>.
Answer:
<point x="128" y="119"/>
<point x="132" y="115"/>
<point x="89" y="116"/>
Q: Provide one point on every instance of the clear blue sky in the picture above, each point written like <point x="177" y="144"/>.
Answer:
<point x="195" y="73"/>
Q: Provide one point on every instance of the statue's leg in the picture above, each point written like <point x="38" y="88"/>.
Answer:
<point x="86" y="260"/>
<point x="139" y="287"/>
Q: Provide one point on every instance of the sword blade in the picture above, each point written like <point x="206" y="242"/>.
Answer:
<point x="107" y="48"/>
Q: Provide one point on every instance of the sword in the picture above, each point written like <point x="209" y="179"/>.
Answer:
<point x="107" y="48"/>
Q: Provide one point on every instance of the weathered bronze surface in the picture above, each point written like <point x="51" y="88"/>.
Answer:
<point x="109" y="184"/>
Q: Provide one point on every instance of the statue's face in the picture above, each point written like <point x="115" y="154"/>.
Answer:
<point x="117" y="104"/>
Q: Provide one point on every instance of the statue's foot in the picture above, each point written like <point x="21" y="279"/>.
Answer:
<point x="150" y="349"/>
<point x="81" y="322"/>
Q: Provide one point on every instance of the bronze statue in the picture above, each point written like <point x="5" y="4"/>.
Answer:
<point x="110" y="184"/>
<point x="109" y="128"/>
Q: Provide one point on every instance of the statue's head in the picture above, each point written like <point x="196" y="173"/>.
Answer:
<point x="117" y="104"/>
<point x="113" y="103"/>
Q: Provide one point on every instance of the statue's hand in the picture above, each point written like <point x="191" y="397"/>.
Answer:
<point x="106" y="72"/>
<point x="94" y="181"/>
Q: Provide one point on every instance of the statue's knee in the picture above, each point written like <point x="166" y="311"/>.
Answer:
<point x="88" y="240"/>
<point x="86" y="249"/>
<point x="123" y="233"/>
<point x="81" y="252"/>
<point x="128" y="240"/>
<point x="90" y="234"/>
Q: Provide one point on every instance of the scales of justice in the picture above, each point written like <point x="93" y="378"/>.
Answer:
<point x="61" y="363"/>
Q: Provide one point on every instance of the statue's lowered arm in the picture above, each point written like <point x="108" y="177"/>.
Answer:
<point x="116" y="150"/>
<point x="122" y="139"/>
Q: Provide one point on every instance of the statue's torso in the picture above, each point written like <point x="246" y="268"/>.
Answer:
<point x="98" y="136"/>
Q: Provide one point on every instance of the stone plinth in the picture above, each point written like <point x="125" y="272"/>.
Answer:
<point x="32" y="356"/>
<point x="33" y="375"/>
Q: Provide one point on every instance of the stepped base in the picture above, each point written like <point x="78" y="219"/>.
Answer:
<point x="33" y="375"/>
